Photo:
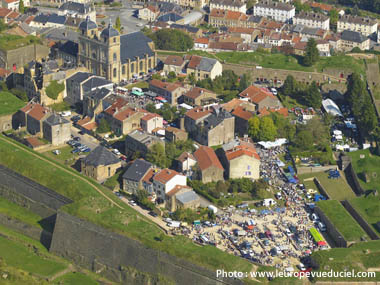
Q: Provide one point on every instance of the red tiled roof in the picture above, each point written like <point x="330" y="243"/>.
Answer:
<point x="10" y="1"/>
<point x="322" y="6"/>
<point x="29" y="20"/>
<point x="117" y="105"/>
<point x="223" y="45"/>
<point x="150" y="116"/>
<point x="229" y="106"/>
<point x="14" y="15"/>
<point x="90" y="126"/>
<point x="300" y="45"/>
<point x="148" y="176"/>
<point x="124" y="113"/>
<point x="241" y="30"/>
<point x="265" y="111"/>
<point x="176" y="189"/>
<point x="38" y="112"/>
<point x="165" y="175"/>
<point x="185" y="155"/>
<point x="256" y="94"/>
<point x="195" y="92"/>
<point x="194" y="61"/>
<point x="206" y="158"/>
<point x="242" y="113"/>
<point x="242" y="149"/>
<point x="34" y="142"/>
<point x="174" y="60"/>
<point x="197" y="113"/>
<point x="84" y="121"/>
<point x="202" y="41"/>
<point x="154" y="9"/>
<point x="4" y="12"/>
<point x="164" y="85"/>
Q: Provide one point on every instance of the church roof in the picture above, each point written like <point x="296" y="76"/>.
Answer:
<point x="87" y="24"/>
<point x="134" y="45"/>
<point x="109" y="32"/>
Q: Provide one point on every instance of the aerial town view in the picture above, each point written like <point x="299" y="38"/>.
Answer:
<point x="191" y="142"/>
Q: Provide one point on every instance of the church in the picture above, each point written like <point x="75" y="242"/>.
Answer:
<point x="111" y="55"/>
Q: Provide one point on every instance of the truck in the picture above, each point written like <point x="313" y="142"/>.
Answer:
<point x="174" y="224"/>
<point x="212" y="208"/>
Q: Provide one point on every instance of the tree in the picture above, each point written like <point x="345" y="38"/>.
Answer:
<point x="290" y="86"/>
<point x="54" y="89"/>
<point x="304" y="140"/>
<point x="268" y="130"/>
<point x="313" y="96"/>
<point x="21" y="7"/>
<point x="254" y="128"/>
<point x="104" y="126"/>
<point x="172" y="75"/>
<point x="334" y="17"/>
<point x="169" y="39"/>
<point x="117" y="25"/>
<point x="311" y="53"/>
<point x="156" y="155"/>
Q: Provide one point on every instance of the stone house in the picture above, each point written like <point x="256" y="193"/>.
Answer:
<point x="364" y="25"/>
<point x="35" y="115"/>
<point x="242" y="117"/>
<point x="100" y="164"/>
<point x="350" y="39"/>
<point x="260" y="97"/>
<point x="185" y="162"/>
<point x="138" y="141"/>
<point x="174" y="63"/>
<point x="134" y="175"/>
<point x="210" y="168"/>
<point x="203" y="67"/>
<point x="197" y="96"/>
<point x="150" y="122"/>
<point x="182" y="197"/>
<point x="165" y="181"/>
<point x="169" y="91"/>
<point x="56" y="130"/>
<point x="93" y="102"/>
<point x="240" y="159"/>
<point x="174" y="134"/>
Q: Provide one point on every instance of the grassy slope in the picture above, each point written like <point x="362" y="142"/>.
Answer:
<point x="17" y="212"/>
<point x="337" y="188"/>
<point x="91" y="206"/>
<point x="369" y="209"/>
<point x="75" y="278"/>
<point x="370" y="164"/>
<point x="338" y="215"/>
<point x="9" y="103"/>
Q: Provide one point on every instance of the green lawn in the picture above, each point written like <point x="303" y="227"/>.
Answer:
<point x="343" y="221"/>
<point x="358" y="257"/>
<point x="9" y="42"/>
<point x="92" y="206"/>
<point x="17" y="212"/>
<point x="140" y="84"/>
<point x="114" y="181"/>
<point x="75" y="278"/>
<point x="338" y="189"/>
<point x="20" y="256"/>
<point x="64" y="156"/>
<point x="59" y="107"/>
<point x="369" y="209"/>
<point x="9" y="103"/>
<point x="369" y="165"/>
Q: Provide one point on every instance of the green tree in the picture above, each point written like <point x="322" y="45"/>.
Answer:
<point x="268" y="130"/>
<point x="334" y="17"/>
<point x="21" y="7"/>
<point x="304" y="140"/>
<point x="290" y="86"/>
<point x="172" y="75"/>
<point x="254" y="128"/>
<point x="104" y="126"/>
<point x="157" y="156"/>
<point x="169" y="39"/>
<point x="117" y="25"/>
<point x="54" y="89"/>
<point x="313" y="96"/>
<point x="311" y="53"/>
<point x="245" y="81"/>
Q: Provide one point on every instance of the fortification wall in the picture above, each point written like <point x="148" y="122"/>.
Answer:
<point x="111" y="255"/>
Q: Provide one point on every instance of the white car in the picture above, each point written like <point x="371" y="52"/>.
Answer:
<point x="288" y="233"/>
<point x="57" y="151"/>
<point x="140" y="25"/>
<point x="301" y="266"/>
<point x="274" y="91"/>
<point x="321" y="226"/>
<point x="314" y="217"/>
<point x="66" y="113"/>
<point x="116" y="151"/>
<point x="133" y="203"/>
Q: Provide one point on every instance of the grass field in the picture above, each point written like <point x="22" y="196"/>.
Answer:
<point x="90" y="205"/>
<point x="343" y="221"/>
<point x="59" y="107"/>
<point x="17" y="212"/>
<point x="141" y="84"/>
<point x="74" y="278"/>
<point x="64" y="156"/>
<point x="338" y="189"/>
<point x="9" y="42"/>
<point x="369" y="208"/>
<point x="369" y="165"/>
<point x="9" y="103"/>
<point x="19" y="256"/>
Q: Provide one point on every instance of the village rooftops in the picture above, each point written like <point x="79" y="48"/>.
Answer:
<point x="275" y="5"/>
<point x="311" y="16"/>
<point x="206" y="158"/>
<point x="256" y="94"/>
<point x="168" y="86"/>
<point x="352" y="36"/>
<point x="357" y="20"/>
<point x="165" y="175"/>
<point x="137" y="170"/>
<point x="55" y="119"/>
<point x="174" y="60"/>
<point x="201" y="63"/>
<point x="231" y="3"/>
<point x="199" y="112"/>
<point x="195" y="92"/>
<point x="101" y="156"/>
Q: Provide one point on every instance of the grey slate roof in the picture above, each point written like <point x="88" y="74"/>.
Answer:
<point x="100" y="156"/>
<point x="109" y="32"/>
<point x="54" y="18"/>
<point x="137" y="170"/>
<point x="96" y="82"/>
<point x="170" y="17"/>
<point x="87" y="24"/>
<point x="275" y="5"/>
<point x="187" y="197"/>
<point x="61" y="34"/>
<point x="353" y="36"/>
<point x="77" y="7"/>
<point x="41" y="18"/>
<point x="188" y="28"/>
<point x="80" y="76"/>
<point x="206" y="64"/>
<point x="55" y="119"/>
<point x="99" y="94"/>
<point x="216" y="118"/>
<point x="69" y="47"/>
<point x="133" y="45"/>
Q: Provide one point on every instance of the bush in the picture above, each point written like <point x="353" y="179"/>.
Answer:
<point x="21" y="94"/>
<point x="54" y="88"/>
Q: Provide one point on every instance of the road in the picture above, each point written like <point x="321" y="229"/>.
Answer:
<point x="86" y="139"/>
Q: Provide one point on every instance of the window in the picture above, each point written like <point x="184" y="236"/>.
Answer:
<point x="132" y="67"/>
<point x="114" y="40"/>
<point x="141" y="65"/>
<point x="114" y="56"/>
<point x="150" y="63"/>
<point x="109" y="171"/>
<point x="114" y="72"/>
<point x="123" y="69"/>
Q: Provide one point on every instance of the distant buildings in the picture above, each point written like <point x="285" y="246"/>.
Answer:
<point x="364" y="25"/>
<point x="277" y="11"/>
<point x="349" y="40"/>
<point x="135" y="174"/>
<point x="231" y="5"/>
<point x="197" y="96"/>
<point x="312" y="20"/>
<point x="170" y="91"/>
<point x="138" y="141"/>
<point x="260" y="97"/>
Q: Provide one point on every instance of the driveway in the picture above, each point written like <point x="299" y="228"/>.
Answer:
<point x="86" y="139"/>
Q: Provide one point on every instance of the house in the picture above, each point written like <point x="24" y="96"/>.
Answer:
<point x="141" y="142"/>
<point x="182" y="197"/>
<point x="151" y="121"/>
<point x="231" y="5"/>
<point x="133" y="177"/>
<point x="277" y="11"/>
<point x="225" y="18"/>
<point x="35" y="117"/>
<point x="13" y="4"/>
<point x="350" y="39"/>
<point x="122" y="118"/>
<point x="77" y="10"/>
<point x="194" y="117"/>
<point x="236" y="102"/>
<point x="170" y="91"/>
<point x="173" y="134"/>
<point x="68" y="52"/>
<point x="240" y="159"/>
<point x="210" y="168"/>
<point x="48" y="21"/>
<point x="197" y="4"/>
<point x="56" y="130"/>
<point x="94" y="102"/>
<point x="82" y="83"/>
<point x="165" y="181"/>
<point x="149" y="13"/>
<point x="364" y="25"/>
<point x="204" y="67"/>
<point x="201" y="43"/>
<point x="242" y="117"/>
<point x="185" y="162"/>
<point x="100" y="164"/>
<point x="260" y="97"/>
<point x="197" y="96"/>
<point x="174" y="63"/>
<point x="87" y="125"/>
<point x="312" y="20"/>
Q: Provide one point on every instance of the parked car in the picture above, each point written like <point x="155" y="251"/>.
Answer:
<point x="314" y="217"/>
<point x="133" y="203"/>
<point x="153" y="214"/>
<point x="321" y="226"/>
<point x="57" y="152"/>
<point x="116" y="151"/>
<point x="274" y="91"/>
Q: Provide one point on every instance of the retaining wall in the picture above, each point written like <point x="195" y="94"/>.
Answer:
<point x="321" y="188"/>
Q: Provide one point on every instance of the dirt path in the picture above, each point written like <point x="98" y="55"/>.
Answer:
<point x="69" y="269"/>
<point x="64" y="169"/>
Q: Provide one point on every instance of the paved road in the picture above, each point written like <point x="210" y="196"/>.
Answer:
<point x="86" y="139"/>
